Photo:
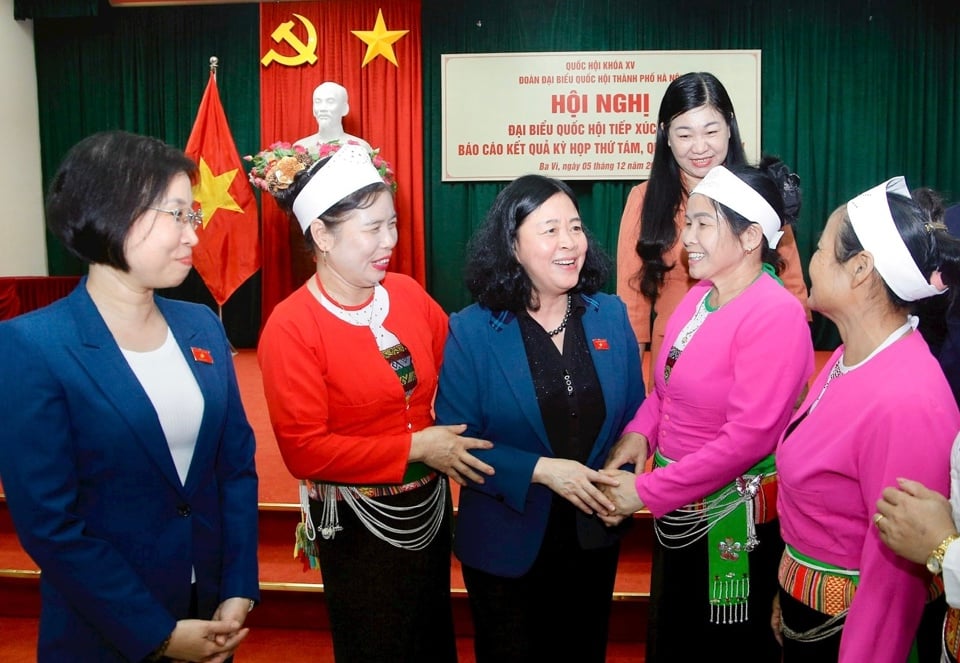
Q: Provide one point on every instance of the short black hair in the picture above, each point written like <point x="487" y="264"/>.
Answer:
<point x="493" y="275"/>
<point x="104" y="184"/>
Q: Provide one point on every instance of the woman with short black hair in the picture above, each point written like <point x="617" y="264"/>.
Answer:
<point x="127" y="460"/>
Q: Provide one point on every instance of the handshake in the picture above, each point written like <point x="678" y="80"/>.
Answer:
<point x="610" y="493"/>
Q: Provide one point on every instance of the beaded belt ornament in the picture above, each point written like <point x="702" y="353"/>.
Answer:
<point x="389" y="523"/>
<point x="764" y="502"/>
<point x="315" y="490"/>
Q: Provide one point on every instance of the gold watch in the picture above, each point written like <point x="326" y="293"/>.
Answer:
<point x="935" y="560"/>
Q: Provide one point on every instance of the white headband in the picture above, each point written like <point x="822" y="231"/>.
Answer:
<point x="724" y="187"/>
<point x="873" y="224"/>
<point x="348" y="170"/>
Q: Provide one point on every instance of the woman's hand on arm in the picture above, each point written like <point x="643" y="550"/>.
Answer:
<point x="630" y="449"/>
<point x="444" y="449"/>
<point x="915" y="520"/>
<point x="574" y="482"/>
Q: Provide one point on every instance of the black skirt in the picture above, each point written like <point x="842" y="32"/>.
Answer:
<point x="387" y="603"/>
<point x="559" y="610"/>
<point x="679" y="627"/>
<point x="800" y="618"/>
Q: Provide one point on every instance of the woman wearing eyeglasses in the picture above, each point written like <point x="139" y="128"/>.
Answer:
<point x="126" y="456"/>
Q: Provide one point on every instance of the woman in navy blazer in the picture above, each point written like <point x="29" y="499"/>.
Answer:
<point x="547" y="369"/>
<point x="125" y="453"/>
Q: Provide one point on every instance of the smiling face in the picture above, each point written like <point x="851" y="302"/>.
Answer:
<point x="714" y="252"/>
<point x="551" y="246"/>
<point x="356" y="252"/>
<point x="699" y="140"/>
<point x="159" y="248"/>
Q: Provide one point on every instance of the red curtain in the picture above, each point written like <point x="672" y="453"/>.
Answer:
<point x="21" y="294"/>
<point x="386" y="110"/>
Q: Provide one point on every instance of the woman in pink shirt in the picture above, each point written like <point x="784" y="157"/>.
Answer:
<point x="736" y="356"/>
<point x="880" y="409"/>
<point x="697" y="130"/>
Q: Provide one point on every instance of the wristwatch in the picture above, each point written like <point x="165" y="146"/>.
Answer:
<point x="935" y="560"/>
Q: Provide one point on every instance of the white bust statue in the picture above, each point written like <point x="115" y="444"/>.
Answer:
<point x="330" y="106"/>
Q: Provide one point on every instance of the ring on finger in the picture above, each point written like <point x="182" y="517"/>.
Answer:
<point x="877" y="517"/>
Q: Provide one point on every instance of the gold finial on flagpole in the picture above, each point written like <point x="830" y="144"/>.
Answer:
<point x="214" y="62"/>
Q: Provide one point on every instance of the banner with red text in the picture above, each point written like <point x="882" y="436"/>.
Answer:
<point x="576" y="115"/>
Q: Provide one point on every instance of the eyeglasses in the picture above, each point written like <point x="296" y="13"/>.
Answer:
<point x="184" y="216"/>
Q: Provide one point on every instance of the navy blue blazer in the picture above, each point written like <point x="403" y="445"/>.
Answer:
<point x="93" y="490"/>
<point x="485" y="382"/>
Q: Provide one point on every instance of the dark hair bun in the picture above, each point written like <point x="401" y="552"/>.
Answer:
<point x="789" y="184"/>
<point x="931" y="202"/>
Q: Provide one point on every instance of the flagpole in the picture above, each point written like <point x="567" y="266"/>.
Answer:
<point x="214" y="63"/>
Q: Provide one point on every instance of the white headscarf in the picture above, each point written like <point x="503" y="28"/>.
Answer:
<point x="348" y="170"/>
<point x="873" y="224"/>
<point x="724" y="187"/>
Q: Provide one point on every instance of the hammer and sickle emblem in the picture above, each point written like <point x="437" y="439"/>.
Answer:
<point x="306" y="53"/>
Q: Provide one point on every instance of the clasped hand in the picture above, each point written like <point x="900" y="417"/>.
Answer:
<point x="609" y="493"/>
<point x="630" y="449"/>
<point x="210" y="641"/>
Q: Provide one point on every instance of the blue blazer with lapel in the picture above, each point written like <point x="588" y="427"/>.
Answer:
<point x="93" y="490"/>
<point x="485" y="382"/>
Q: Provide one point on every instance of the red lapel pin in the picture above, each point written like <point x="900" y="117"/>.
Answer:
<point x="201" y="355"/>
<point x="601" y="344"/>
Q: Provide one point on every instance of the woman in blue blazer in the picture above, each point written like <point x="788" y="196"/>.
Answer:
<point x="125" y="454"/>
<point x="547" y="369"/>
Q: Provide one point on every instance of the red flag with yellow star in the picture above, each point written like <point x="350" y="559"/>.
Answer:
<point x="373" y="49"/>
<point x="229" y="249"/>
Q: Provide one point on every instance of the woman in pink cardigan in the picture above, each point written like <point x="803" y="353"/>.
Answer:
<point x="880" y="409"/>
<point x="697" y="130"/>
<point x="736" y="356"/>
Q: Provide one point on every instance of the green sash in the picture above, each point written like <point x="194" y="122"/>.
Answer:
<point x="730" y="538"/>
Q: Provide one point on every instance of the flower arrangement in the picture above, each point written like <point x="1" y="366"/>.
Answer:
<point x="275" y="168"/>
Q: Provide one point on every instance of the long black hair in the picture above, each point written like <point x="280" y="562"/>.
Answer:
<point x="493" y="275"/>
<point x="658" y="228"/>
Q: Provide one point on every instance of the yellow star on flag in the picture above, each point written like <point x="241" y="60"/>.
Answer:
<point x="213" y="192"/>
<point x="379" y="41"/>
